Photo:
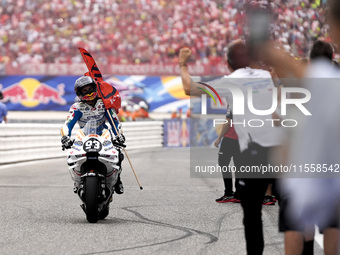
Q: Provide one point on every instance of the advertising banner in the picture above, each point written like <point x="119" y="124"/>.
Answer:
<point x="56" y="93"/>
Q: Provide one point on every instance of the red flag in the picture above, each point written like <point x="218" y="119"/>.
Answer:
<point x="108" y="93"/>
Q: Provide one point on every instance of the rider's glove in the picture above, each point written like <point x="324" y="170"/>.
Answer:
<point x="121" y="138"/>
<point x="66" y="142"/>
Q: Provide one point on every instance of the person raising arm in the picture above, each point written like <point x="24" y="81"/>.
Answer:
<point x="191" y="88"/>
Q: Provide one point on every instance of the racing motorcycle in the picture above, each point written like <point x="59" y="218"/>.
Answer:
<point x="94" y="162"/>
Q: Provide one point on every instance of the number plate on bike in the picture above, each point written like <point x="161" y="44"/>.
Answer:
<point x="92" y="145"/>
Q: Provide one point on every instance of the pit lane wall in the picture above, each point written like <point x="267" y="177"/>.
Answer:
<point x="25" y="142"/>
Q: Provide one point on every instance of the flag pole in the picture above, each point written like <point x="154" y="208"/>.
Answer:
<point x="133" y="170"/>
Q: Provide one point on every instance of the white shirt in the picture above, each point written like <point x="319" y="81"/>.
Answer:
<point x="259" y="127"/>
<point x="321" y="130"/>
<point x="317" y="142"/>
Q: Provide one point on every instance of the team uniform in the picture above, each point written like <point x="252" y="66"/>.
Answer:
<point x="140" y="114"/>
<point x="82" y="113"/>
<point x="255" y="142"/>
<point x="229" y="148"/>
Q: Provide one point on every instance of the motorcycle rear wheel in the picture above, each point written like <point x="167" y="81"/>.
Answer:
<point x="91" y="199"/>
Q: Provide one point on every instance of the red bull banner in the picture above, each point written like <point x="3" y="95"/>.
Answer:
<point x="56" y="93"/>
<point x="22" y="93"/>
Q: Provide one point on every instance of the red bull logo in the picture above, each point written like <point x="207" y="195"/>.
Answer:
<point x="30" y="92"/>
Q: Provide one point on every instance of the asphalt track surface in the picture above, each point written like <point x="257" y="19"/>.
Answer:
<point x="174" y="214"/>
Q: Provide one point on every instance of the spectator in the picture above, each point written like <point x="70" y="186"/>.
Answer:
<point x="180" y="113"/>
<point x="296" y="239"/>
<point x="123" y="113"/>
<point x="143" y="110"/>
<point x="3" y="110"/>
<point x="132" y="32"/>
<point x="321" y="49"/>
<point x="129" y="111"/>
<point x="255" y="143"/>
<point x="307" y="146"/>
<point x="139" y="113"/>
<point x="229" y="148"/>
<point x="174" y="114"/>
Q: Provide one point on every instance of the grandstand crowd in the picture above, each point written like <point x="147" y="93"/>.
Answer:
<point x="143" y="31"/>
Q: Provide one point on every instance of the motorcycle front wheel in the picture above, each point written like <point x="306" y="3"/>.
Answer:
<point x="91" y="199"/>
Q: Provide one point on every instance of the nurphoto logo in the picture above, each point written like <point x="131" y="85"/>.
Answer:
<point x="238" y="105"/>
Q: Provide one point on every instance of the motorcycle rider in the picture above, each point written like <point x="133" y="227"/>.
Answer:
<point x="91" y="107"/>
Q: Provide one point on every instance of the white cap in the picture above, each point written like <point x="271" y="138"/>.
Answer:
<point x="124" y="104"/>
<point x="136" y="107"/>
<point x="143" y="105"/>
<point x="129" y="108"/>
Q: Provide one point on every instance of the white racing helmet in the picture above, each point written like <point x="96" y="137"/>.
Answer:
<point x="82" y="82"/>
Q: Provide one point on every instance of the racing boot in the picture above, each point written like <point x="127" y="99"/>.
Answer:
<point x="119" y="189"/>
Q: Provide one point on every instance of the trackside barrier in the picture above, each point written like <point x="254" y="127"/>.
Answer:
<point x="25" y="142"/>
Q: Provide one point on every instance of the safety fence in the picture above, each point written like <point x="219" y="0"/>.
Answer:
<point x="25" y="142"/>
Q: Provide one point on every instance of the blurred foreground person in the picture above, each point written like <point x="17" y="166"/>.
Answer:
<point x="315" y="198"/>
<point x="299" y="238"/>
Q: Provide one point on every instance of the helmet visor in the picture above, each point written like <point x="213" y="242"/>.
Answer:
<point x="89" y="97"/>
<point x="88" y="92"/>
<point x="87" y="89"/>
